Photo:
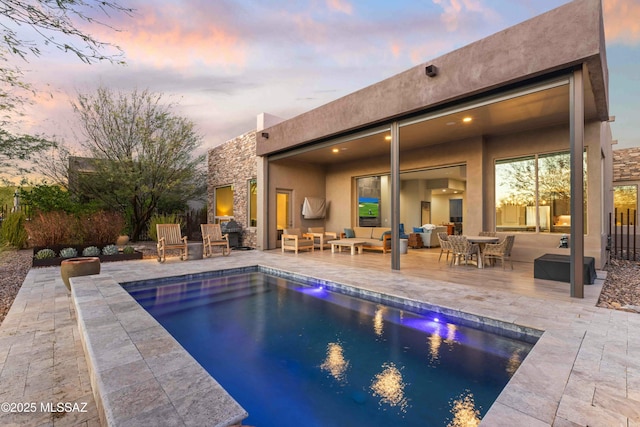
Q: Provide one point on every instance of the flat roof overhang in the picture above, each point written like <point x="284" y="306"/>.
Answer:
<point x="533" y="54"/>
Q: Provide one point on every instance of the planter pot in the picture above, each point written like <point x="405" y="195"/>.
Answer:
<point x="74" y="267"/>
<point x="122" y="240"/>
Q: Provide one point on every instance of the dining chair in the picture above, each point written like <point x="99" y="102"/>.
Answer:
<point x="501" y="251"/>
<point x="487" y="233"/>
<point x="461" y="248"/>
<point x="445" y="245"/>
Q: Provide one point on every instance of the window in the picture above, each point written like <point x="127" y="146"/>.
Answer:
<point x="253" y="203"/>
<point x="224" y="203"/>
<point x="625" y="203"/>
<point x="533" y="193"/>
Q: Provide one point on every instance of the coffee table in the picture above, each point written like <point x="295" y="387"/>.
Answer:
<point x="347" y="243"/>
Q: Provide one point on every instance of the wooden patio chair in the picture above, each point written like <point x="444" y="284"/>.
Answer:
<point x="170" y="237"/>
<point x="461" y="248"/>
<point x="501" y="251"/>
<point x="294" y="240"/>
<point x="321" y="237"/>
<point x="212" y="237"/>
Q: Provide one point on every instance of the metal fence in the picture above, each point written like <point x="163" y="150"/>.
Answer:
<point x="623" y="235"/>
<point x="7" y="209"/>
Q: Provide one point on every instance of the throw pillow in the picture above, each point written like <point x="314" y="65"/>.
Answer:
<point x="385" y="234"/>
<point x="349" y="233"/>
<point x="417" y="229"/>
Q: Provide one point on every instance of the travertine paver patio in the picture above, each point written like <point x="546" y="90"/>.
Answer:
<point x="585" y="369"/>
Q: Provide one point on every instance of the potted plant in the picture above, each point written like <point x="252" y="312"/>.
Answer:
<point x="74" y="267"/>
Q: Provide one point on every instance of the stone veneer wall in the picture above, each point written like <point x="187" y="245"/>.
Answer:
<point x="626" y="164"/>
<point x="234" y="163"/>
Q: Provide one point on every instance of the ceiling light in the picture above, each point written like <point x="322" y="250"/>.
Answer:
<point x="444" y="190"/>
<point x="467" y="119"/>
<point x="387" y="138"/>
<point x="451" y="123"/>
<point x="336" y="150"/>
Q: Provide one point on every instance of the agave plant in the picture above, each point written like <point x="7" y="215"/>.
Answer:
<point x="110" y="250"/>
<point x="68" y="253"/>
<point x="128" y="250"/>
<point x="91" y="251"/>
<point x="45" y="254"/>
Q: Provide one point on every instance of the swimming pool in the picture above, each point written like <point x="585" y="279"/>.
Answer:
<point x="291" y="353"/>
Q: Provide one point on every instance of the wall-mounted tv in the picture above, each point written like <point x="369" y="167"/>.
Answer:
<point x="368" y="207"/>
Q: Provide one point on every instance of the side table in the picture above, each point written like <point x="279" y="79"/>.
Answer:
<point x="415" y="241"/>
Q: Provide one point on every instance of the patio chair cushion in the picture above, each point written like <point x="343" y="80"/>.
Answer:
<point x="349" y="233"/>
<point x="294" y="231"/>
<point x="418" y="229"/>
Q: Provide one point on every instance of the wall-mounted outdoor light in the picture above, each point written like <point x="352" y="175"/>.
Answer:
<point x="265" y="135"/>
<point x="431" y="70"/>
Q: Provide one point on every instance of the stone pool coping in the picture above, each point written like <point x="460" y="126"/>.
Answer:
<point x="139" y="373"/>
<point x="584" y="370"/>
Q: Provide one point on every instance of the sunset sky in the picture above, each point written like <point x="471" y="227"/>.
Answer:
<point x="224" y="62"/>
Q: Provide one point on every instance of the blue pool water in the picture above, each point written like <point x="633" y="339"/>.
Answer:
<point x="295" y="355"/>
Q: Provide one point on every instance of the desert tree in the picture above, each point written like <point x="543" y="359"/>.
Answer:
<point x="50" y="23"/>
<point x="141" y="153"/>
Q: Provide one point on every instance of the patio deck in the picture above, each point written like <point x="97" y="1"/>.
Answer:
<point x="584" y="370"/>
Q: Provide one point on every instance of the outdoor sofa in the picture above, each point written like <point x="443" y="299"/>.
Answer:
<point x="374" y="238"/>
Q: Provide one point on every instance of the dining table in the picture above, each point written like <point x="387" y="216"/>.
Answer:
<point x="481" y="241"/>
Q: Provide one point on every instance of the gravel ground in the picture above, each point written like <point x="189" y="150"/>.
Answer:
<point x="14" y="266"/>
<point x="621" y="290"/>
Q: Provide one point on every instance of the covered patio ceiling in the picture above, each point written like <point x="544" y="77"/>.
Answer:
<point x="538" y="106"/>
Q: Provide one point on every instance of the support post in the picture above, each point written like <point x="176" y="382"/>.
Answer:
<point x="395" y="196"/>
<point x="576" y="135"/>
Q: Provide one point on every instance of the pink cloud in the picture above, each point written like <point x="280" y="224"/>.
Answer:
<point x="454" y="8"/>
<point x="622" y="21"/>
<point x="169" y="36"/>
<point x="340" y="6"/>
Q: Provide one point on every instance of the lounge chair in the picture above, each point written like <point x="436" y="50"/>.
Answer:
<point x="461" y="249"/>
<point x="321" y="237"/>
<point x="294" y="240"/>
<point x="500" y="251"/>
<point x="212" y="236"/>
<point x="170" y="237"/>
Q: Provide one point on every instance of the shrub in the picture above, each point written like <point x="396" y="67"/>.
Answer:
<point x="60" y="228"/>
<point x="162" y="219"/>
<point x="53" y="228"/>
<point x="68" y="253"/>
<point x="47" y="198"/>
<point x="128" y="250"/>
<point x="90" y="251"/>
<point x="13" y="230"/>
<point x="45" y="254"/>
<point x="110" y="250"/>
<point x="102" y="227"/>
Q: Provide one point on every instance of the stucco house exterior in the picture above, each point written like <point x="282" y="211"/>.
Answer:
<point x="487" y="137"/>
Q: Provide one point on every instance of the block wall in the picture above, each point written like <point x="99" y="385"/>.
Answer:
<point x="234" y="163"/>
<point x="626" y="164"/>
